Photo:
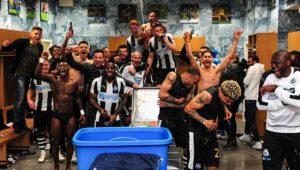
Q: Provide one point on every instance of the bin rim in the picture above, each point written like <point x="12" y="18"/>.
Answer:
<point x="168" y="140"/>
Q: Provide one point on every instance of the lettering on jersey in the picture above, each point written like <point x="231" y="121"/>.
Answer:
<point x="272" y="96"/>
<point x="293" y="80"/>
<point x="43" y="88"/>
<point x="113" y="98"/>
<point x="266" y="155"/>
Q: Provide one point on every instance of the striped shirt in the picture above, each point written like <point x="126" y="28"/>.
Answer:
<point x="133" y="44"/>
<point x="163" y="55"/>
<point x="137" y="78"/>
<point x="108" y="94"/>
<point x="43" y="95"/>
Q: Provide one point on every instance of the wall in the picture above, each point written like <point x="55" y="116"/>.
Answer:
<point x="22" y="23"/>
<point x="218" y="36"/>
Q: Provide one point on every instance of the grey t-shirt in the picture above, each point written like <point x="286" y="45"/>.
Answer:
<point x="28" y="62"/>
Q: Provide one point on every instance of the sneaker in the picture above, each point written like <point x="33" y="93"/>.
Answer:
<point x="47" y="147"/>
<point x="74" y="158"/>
<point x="61" y="157"/>
<point x="245" y="138"/>
<point x="42" y="156"/>
<point x="257" y="145"/>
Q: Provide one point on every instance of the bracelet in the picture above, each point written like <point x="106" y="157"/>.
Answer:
<point x="202" y="120"/>
<point x="42" y="60"/>
<point x="82" y="112"/>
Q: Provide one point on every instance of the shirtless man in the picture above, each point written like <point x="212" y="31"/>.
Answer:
<point x="210" y="76"/>
<point x="63" y="118"/>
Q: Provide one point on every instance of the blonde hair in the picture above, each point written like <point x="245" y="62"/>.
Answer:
<point x="231" y="89"/>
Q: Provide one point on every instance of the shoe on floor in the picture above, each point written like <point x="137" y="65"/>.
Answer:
<point x="61" y="158"/>
<point x="74" y="158"/>
<point x="221" y="136"/>
<point x="257" y="145"/>
<point x="42" y="156"/>
<point x="245" y="138"/>
<point x="47" y="147"/>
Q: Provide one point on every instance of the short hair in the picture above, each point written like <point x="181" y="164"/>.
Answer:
<point x="122" y="46"/>
<point x="83" y="42"/>
<point x="254" y="58"/>
<point x="156" y="12"/>
<point x="36" y="28"/>
<point x="284" y="53"/>
<point x="62" y="60"/>
<point x="204" y="47"/>
<point x="193" y="71"/>
<point x="52" y="48"/>
<point x="133" y="22"/>
<point x="231" y="89"/>
<point x="98" y="51"/>
<point x="296" y="54"/>
<point x="207" y="51"/>
<point x="157" y="24"/>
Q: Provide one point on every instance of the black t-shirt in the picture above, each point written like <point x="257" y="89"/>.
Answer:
<point x="28" y="63"/>
<point x="178" y="90"/>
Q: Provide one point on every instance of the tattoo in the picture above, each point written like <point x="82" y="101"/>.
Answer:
<point x="202" y="99"/>
<point x="170" y="98"/>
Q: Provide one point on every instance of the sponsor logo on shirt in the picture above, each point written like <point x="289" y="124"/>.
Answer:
<point x="113" y="98"/>
<point x="43" y="87"/>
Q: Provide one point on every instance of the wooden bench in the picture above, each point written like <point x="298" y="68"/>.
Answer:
<point x="9" y="140"/>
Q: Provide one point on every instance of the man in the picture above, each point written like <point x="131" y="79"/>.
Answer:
<point x="28" y="51"/>
<point x="90" y="72"/>
<point x="204" y="110"/>
<point x="55" y="57"/>
<point x="175" y="92"/>
<point x="132" y="41"/>
<point x="280" y="97"/>
<point x="210" y="76"/>
<point x="106" y="54"/>
<point x="251" y="83"/>
<point x="122" y="57"/>
<point x="64" y="91"/>
<point x="108" y="96"/>
<point x="162" y="48"/>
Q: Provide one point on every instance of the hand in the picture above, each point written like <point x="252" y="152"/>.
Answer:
<point x="228" y="114"/>
<point x="117" y="59"/>
<point x="31" y="104"/>
<point x="69" y="34"/>
<point x="210" y="124"/>
<point x="267" y="88"/>
<point x="135" y="86"/>
<point x="103" y="113"/>
<point x="45" y="55"/>
<point x="187" y="36"/>
<point x="237" y="34"/>
<point x="161" y="103"/>
<point x="180" y="101"/>
<point x="112" y="119"/>
<point x="82" y="120"/>
<point x="6" y="43"/>
<point x="131" y="70"/>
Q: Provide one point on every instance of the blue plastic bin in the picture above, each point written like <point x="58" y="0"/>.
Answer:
<point x="90" y="142"/>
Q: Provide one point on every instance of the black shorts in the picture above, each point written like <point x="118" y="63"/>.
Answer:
<point x="203" y="149"/>
<point x="64" y="117"/>
<point x="179" y="130"/>
<point x="280" y="146"/>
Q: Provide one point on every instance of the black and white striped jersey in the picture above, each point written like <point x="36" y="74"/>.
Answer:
<point x="133" y="44"/>
<point x="43" y="97"/>
<point x="108" y="94"/>
<point x="162" y="54"/>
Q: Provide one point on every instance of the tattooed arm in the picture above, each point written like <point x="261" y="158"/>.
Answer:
<point x="198" y="102"/>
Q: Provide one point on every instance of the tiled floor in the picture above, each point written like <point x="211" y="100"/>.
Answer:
<point x="241" y="158"/>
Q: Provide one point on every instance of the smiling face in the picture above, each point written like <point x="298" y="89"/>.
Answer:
<point x="45" y="67"/>
<point x="109" y="70"/>
<point x="98" y="59"/>
<point x="63" y="69"/>
<point x="83" y="50"/>
<point x="123" y="52"/>
<point x="153" y="17"/>
<point x="281" y="65"/>
<point x="134" y="30"/>
<point x="136" y="58"/>
<point x="56" y="52"/>
<point x="207" y="59"/>
<point x="35" y="36"/>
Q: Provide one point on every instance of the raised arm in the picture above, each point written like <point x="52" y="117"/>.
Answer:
<point x="38" y="70"/>
<point x="227" y="60"/>
<point x="198" y="102"/>
<point x="188" y="49"/>
<point x="65" y="43"/>
<point x="149" y="62"/>
<point x="166" y="86"/>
